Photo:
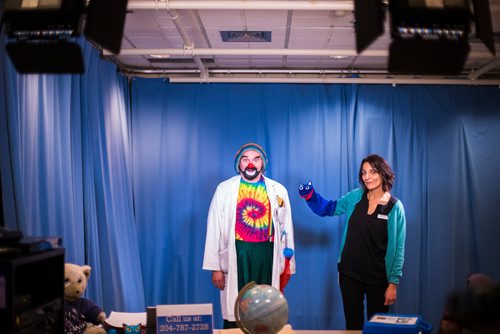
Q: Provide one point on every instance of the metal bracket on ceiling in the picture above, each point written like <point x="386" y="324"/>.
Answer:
<point x="188" y="50"/>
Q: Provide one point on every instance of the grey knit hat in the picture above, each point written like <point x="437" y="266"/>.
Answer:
<point x="249" y="147"/>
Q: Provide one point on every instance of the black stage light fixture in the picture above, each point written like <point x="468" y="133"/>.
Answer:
<point x="104" y="24"/>
<point x="50" y="57"/>
<point x="369" y="17"/>
<point x="431" y="36"/>
<point x="42" y="33"/>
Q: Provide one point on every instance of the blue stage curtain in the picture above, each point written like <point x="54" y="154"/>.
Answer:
<point x="440" y="140"/>
<point x="65" y="167"/>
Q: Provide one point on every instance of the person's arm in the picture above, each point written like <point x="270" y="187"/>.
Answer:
<point x="398" y="242"/>
<point x="211" y="260"/>
<point x="391" y="292"/>
<point x="315" y="201"/>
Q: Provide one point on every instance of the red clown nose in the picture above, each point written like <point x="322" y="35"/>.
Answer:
<point x="250" y="165"/>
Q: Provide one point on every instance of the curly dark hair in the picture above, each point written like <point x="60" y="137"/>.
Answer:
<point x="382" y="167"/>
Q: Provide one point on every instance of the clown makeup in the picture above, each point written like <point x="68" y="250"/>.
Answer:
<point x="250" y="165"/>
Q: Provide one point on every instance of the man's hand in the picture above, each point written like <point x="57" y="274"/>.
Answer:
<point x="306" y="190"/>
<point x="391" y="294"/>
<point x="218" y="280"/>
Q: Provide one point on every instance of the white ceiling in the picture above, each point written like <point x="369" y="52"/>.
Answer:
<point x="312" y="41"/>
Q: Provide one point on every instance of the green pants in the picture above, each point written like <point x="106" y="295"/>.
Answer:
<point x="255" y="262"/>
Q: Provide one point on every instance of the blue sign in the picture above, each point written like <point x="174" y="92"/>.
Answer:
<point x="184" y="319"/>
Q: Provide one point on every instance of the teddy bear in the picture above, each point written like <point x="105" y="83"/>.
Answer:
<point x="80" y="314"/>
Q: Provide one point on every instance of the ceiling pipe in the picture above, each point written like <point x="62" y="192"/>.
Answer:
<point x="247" y="52"/>
<point x="319" y="80"/>
<point x="188" y="43"/>
<point x="249" y="5"/>
<point x="242" y="5"/>
<point x="298" y="76"/>
<point x="264" y="52"/>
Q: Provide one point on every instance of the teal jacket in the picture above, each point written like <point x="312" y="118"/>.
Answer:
<point x="396" y="232"/>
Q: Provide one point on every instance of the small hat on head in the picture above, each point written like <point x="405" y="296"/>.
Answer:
<point x="249" y="147"/>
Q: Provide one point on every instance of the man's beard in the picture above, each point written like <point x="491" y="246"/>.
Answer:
<point x="250" y="173"/>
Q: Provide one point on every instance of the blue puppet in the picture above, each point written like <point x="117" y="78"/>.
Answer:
<point x="316" y="203"/>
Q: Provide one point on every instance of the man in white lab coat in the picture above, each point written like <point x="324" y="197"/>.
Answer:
<point x="249" y="231"/>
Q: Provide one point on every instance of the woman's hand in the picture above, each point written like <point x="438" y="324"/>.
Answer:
<point x="218" y="280"/>
<point x="391" y="294"/>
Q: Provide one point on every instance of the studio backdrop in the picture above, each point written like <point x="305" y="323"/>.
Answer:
<point x="440" y="141"/>
<point x="124" y="171"/>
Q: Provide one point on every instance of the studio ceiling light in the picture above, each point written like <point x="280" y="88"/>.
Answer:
<point x="155" y="56"/>
<point x="246" y="36"/>
<point x="428" y="37"/>
<point x="42" y="34"/>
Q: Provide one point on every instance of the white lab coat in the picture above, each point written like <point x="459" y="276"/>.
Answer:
<point x="220" y="248"/>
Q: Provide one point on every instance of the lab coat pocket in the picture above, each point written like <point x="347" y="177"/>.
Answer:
<point x="280" y="216"/>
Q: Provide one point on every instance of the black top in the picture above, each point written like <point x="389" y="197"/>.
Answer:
<point x="363" y="257"/>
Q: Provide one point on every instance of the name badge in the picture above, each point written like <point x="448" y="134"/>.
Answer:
<point x="379" y="216"/>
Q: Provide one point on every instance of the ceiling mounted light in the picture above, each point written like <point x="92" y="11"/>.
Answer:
<point x="159" y="56"/>
<point x="42" y="35"/>
<point x="246" y="36"/>
<point x="428" y="37"/>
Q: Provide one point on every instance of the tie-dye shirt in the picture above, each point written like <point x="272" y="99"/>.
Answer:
<point x="253" y="212"/>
